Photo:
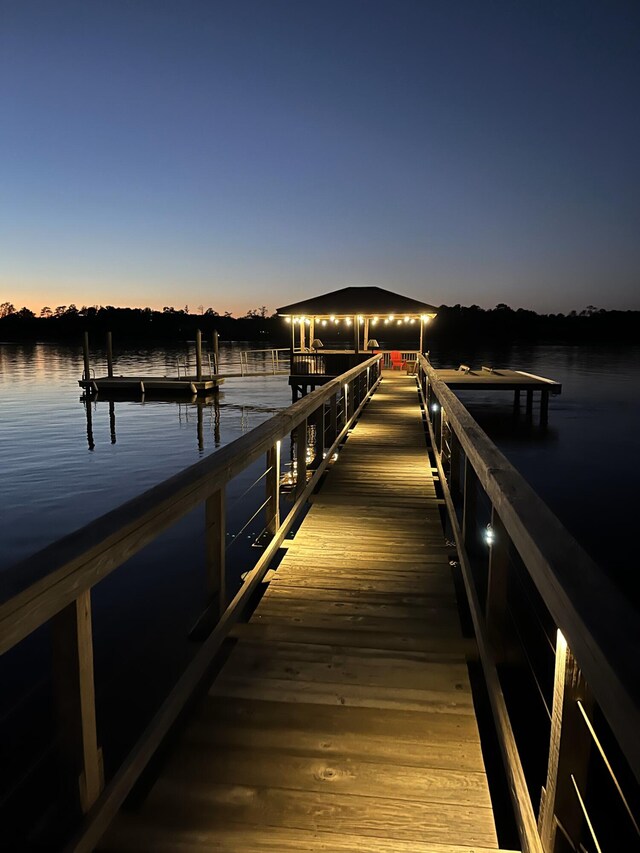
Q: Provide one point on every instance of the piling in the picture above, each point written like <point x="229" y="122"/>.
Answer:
<point x="216" y="363"/>
<point x="85" y="353"/>
<point x="198" y="356"/>
<point x="109" y="355"/>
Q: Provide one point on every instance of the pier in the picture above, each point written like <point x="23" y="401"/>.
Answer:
<point x="330" y="704"/>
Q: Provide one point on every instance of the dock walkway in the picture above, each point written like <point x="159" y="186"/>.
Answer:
<point x="343" y="719"/>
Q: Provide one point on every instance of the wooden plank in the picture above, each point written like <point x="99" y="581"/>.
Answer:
<point x="133" y="835"/>
<point x="273" y="768"/>
<point x="187" y="804"/>
<point x="391" y="736"/>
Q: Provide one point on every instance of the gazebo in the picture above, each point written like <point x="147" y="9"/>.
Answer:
<point x="360" y="310"/>
<point x="365" y="309"/>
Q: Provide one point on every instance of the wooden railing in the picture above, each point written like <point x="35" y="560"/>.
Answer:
<point x="521" y="567"/>
<point x="64" y="574"/>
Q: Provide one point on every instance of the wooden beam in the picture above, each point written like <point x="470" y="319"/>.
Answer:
<point x="75" y="699"/>
<point x="273" y="489"/>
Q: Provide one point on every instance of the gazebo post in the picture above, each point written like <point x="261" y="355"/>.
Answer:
<point x="366" y="332"/>
<point x="312" y="330"/>
<point x="421" y="336"/>
<point x="356" y="333"/>
<point x="302" y="341"/>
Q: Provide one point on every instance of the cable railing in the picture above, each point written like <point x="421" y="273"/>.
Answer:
<point x="55" y="585"/>
<point x="587" y="722"/>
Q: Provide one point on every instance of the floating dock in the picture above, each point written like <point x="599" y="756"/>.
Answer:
<point x="161" y="385"/>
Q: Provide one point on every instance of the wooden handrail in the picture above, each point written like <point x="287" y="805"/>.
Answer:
<point x="60" y="572"/>
<point x="600" y="626"/>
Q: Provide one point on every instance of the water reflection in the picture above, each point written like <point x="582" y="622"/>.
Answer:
<point x="207" y="409"/>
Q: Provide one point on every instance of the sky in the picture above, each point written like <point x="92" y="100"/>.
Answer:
<point x="255" y="152"/>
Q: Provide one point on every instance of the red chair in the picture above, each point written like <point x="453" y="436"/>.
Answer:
<point x="396" y="360"/>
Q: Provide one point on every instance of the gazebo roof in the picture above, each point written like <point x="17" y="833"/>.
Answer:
<point x="366" y="301"/>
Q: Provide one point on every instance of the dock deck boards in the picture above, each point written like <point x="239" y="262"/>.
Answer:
<point x="343" y="719"/>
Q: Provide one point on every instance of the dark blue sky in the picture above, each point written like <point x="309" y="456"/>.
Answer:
<point x="240" y="153"/>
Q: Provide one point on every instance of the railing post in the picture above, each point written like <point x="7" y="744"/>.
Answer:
<point x="301" y="456"/>
<point x="318" y="444"/>
<point x="470" y="501"/>
<point x="454" y="468"/>
<point x="273" y="489"/>
<point x="569" y="749"/>
<point x="333" y="418"/>
<point x="75" y="699"/>
<point x="215" y="545"/>
<point x="496" y="604"/>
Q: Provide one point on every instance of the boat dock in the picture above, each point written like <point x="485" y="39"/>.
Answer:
<point x="413" y="602"/>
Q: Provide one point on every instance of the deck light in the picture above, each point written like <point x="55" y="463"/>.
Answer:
<point x="434" y="407"/>
<point x="489" y="535"/>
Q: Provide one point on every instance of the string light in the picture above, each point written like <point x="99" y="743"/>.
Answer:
<point x="324" y="322"/>
<point x="391" y="318"/>
<point x="435" y="407"/>
<point x="332" y="318"/>
<point x="287" y="319"/>
<point x="348" y="321"/>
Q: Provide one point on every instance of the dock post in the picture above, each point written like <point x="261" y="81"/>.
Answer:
<point x="301" y="457"/>
<point x="198" y="355"/>
<point x="215" y="523"/>
<point x="497" y="584"/>
<point x="544" y="408"/>
<point x="273" y="489"/>
<point x="516" y="400"/>
<point x="216" y="362"/>
<point x="109" y="355"/>
<point x="85" y="354"/>
<point x="75" y="700"/>
<point x="529" y="403"/>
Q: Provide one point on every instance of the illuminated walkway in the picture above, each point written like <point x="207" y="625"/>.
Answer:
<point x="343" y="719"/>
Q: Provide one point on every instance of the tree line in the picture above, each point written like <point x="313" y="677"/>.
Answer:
<point x="501" y="324"/>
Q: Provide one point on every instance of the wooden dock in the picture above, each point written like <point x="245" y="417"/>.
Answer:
<point x="343" y="718"/>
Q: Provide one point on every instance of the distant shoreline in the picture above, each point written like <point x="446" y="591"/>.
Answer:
<point x="471" y="324"/>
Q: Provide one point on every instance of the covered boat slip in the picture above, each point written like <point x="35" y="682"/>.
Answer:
<point x="343" y="719"/>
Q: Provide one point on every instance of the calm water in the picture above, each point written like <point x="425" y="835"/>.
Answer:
<point x="60" y="470"/>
